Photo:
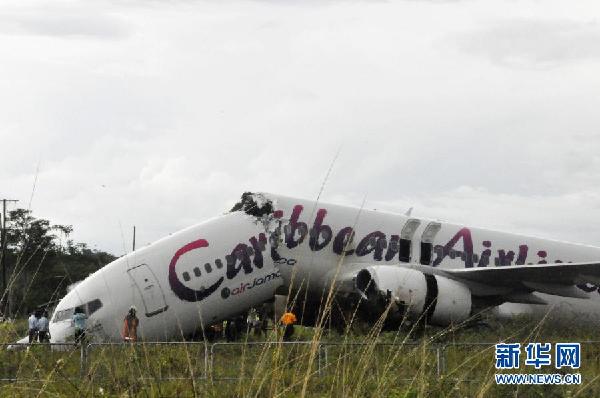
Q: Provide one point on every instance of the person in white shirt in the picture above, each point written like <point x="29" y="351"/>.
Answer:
<point x="43" y="330"/>
<point x="33" y="327"/>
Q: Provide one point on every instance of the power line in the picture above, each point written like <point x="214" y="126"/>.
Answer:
<point x="4" y="298"/>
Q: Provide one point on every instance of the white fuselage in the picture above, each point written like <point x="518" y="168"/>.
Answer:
<point x="222" y="267"/>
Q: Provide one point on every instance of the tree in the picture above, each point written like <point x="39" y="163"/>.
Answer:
<point x="39" y="269"/>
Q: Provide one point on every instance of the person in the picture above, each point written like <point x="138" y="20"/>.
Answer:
<point x="287" y="320"/>
<point x="43" y="328"/>
<point x="254" y="322"/>
<point x="130" y="325"/>
<point x="230" y="330"/>
<point x="33" y="327"/>
<point x="217" y="329"/>
<point x="78" y="320"/>
<point x="264" y="324"/>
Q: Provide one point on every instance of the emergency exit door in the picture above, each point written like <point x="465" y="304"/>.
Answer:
<point x="149" y="288"/>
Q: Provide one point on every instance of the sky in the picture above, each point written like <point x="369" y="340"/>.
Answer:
<point x="159" y="114"/>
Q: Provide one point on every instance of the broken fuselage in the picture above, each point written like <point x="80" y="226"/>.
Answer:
<point x="222" y="267"/>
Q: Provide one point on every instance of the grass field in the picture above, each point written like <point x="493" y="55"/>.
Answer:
<point x="439" y="363"/>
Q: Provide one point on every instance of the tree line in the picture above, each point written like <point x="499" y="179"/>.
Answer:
<point x="41" y="261"/>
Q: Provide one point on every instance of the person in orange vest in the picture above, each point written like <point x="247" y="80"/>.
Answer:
<point x="287" y="320"/>
<point x="130" y="325"/>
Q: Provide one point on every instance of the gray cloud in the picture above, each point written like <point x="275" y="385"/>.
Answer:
<point x="534" y="43"/>
<point x="209" y="99"/>
<point x="65" y="23"/>
<point x="551" y="216"/>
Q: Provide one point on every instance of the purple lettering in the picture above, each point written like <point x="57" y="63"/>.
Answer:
<point x="293" y="226"/>
<point x="393" y="248"/>
<point x="259" y="246"/>
<point x="320" y="231"/>
<point x="484" y="261"/>
<point x="523" y="249"/>
<point x="505" y="258"/>
<point x="375" y="241"/>
<point x="274" y="237"/>
<point x="342" y="241"/>
<point x="465" y="235"/>
<point x="239" y="256"/>
<point x="182" y="291"/>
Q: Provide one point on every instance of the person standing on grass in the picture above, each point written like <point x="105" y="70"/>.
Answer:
<point x="33" y="327"/>
<point x="78" y="320"/>
<point x="287" y="320"/>
<point x="130" y="325"/>
<point x="230" y="330"/>
<point x="43" y="328"/>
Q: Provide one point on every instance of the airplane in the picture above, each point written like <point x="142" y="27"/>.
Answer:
<point x="269" y="245"/>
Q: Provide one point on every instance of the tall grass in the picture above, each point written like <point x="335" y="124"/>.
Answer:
<point x="378" y="364"/>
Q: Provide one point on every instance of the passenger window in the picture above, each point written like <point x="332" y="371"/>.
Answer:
<point x="207" y="267"/>
<point x="219" y="263"/>
<point x="197" y="271"/>
<point x="186" y="277"/>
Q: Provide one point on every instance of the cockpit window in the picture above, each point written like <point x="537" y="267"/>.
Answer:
<point x="63" y="315"/>
<point x="89" y="308"/>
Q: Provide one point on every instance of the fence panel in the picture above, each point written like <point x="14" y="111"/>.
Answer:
<point x="373" y="362"/>
<point x="38" y="361"/>
<point x="468" y="362"/>
<point x="231" y="361"/>
<point x="123" y="362"/>
<point x="117" y="362"/>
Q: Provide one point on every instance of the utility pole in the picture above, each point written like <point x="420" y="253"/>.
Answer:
<point x="4" y="297"/>
<point x="134" y="238"/>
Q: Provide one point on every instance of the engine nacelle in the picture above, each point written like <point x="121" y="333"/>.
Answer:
<point x="441" y="301"/>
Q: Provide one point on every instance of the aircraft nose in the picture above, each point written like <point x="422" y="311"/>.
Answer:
<point x="60" y="332"/>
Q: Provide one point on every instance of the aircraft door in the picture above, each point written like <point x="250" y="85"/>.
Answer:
<point x="427" y="242"/>
<point x="406" y="236"/>
<point x="149" y="288"/>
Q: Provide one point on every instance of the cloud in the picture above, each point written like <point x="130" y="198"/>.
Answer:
<point x="534" y="43"/>
<point x="550" y="216"/>
<point x="64" y="22"/>
<point x="203" y="100"/>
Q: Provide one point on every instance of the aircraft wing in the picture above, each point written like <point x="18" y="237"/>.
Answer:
<point x="557" y="279"/>
<point x="562" y="273"/>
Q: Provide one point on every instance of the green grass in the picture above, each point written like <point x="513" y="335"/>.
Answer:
<point x="388" y="364"/>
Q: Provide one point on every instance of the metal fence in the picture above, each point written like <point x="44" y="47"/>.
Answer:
<point x="21" y="361"/>
<point x="222" y="361"/>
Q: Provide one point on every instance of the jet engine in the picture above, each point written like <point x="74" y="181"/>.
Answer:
<point x="436" y="299"/>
